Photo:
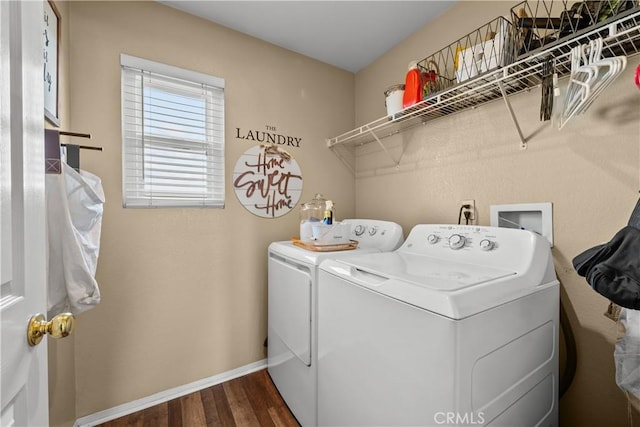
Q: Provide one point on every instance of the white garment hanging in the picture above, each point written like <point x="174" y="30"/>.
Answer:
<point x="74" y="221"/>
<point x="627" y="352"/>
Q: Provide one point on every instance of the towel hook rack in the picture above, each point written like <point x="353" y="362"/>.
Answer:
<point x="52" y="149"/>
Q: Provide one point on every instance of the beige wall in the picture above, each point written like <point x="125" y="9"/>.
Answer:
<point x="589" y="171"/>
<point x="184" y="290"/>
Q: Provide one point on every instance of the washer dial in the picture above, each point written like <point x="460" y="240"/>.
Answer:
<point x="359" y="230"/>
<point x="432" y="239"/>
<point x="486" y="244"/>
<point x="457" y="241"/>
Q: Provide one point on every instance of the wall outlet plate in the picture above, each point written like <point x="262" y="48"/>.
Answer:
<point x="472" y="209"/>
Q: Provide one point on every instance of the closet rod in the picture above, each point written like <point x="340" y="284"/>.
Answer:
<point x="84" y="147"/>
<point x="79" y="135"/>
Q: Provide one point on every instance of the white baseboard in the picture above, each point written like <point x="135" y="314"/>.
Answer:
<point x="164" y="396"/>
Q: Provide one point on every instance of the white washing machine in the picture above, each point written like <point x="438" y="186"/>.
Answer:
<point x="459" y="326"/>
<point x="292" y="353"/>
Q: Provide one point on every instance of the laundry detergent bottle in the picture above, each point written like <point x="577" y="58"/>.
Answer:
<point x="413" y="86"/>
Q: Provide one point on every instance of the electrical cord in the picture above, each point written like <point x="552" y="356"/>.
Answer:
<point x="460" y="213"/>
<point x="466" y="214"/>
<point x="571" y="361"/>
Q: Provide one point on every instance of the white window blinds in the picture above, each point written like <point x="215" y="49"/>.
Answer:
<point x="172" y="136"/>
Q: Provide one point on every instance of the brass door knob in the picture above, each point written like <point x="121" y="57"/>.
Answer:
<point x="58" y="327"/>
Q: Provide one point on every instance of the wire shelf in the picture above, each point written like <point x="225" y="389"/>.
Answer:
<point x="484" y="49"/>
<point x="543" y="23"/>
<point x="621" y="37"/>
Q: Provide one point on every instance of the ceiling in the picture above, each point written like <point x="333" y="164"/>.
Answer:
<point x="347" y="34"/>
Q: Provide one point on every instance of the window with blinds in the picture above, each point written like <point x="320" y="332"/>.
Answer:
<point x="172" y="136"/>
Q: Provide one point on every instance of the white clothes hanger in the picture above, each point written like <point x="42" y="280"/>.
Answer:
<point x="608" y="70"/>
<point x="578" y="88"/>
<point x="590" y="75"/>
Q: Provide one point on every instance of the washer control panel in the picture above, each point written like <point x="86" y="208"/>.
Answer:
<point x="454" y="237"/>
<point x="502" y="248"/>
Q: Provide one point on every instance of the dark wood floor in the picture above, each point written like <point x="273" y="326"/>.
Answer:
<point x="251" y="400"/>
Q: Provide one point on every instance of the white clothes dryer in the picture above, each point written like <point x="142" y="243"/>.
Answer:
<point x="292" y="351"/>
<point x="459" y="326"/>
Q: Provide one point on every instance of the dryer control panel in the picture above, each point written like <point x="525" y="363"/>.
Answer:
<point x="370" y="233"/>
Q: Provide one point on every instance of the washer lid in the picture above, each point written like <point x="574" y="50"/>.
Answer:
<point x="448" y="288"/>
<point x="431" y="273"/>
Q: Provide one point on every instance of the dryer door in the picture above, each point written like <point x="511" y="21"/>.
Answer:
<point x="290" y="306"/>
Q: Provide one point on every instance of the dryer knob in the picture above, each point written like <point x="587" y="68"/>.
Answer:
<point x="456" y="241"/>
<point x="359" y="230"/>
<point x="373" y="231"/>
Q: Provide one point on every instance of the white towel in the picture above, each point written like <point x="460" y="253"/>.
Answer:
<point x="74" y="221"/>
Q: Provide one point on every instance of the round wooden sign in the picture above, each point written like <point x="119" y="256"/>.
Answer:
<point x="267" y="181"/>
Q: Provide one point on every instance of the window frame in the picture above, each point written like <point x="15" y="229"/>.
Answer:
<point x="135" y="191"/>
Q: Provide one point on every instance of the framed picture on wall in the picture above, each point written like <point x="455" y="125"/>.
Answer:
<point x="50" y="50"/>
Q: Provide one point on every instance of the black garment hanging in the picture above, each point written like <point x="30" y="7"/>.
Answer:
<point x="73" y="156"/>
<point x="634" y="221"/>
<point x="613" y="269"/>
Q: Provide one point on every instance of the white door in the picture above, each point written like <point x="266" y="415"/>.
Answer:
<point x="289" y="309"/>
<point x="23" y="369"/>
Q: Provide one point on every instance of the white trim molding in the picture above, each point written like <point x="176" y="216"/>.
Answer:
<point x="170" y="70"/>
<point x="166" y="395"/>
